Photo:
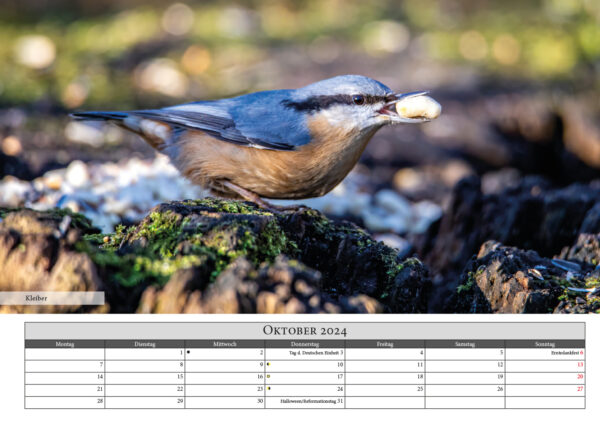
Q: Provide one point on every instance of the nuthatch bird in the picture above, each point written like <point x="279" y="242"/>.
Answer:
<point x="282" y="144"/>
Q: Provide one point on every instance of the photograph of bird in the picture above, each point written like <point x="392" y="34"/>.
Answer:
<point x="279" y="144"/>
<point x="221" y="156"/>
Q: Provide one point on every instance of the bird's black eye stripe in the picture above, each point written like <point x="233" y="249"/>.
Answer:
<point x="374" y="99"/>
<point x="317" y="103"/>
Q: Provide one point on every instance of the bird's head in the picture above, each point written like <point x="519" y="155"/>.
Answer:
<point x="362" y="103"/>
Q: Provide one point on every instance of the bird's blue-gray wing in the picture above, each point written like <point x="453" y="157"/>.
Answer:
<point x="221" y="126"/>
<point x="259" y="119"/>
<point x="264" y="118"/>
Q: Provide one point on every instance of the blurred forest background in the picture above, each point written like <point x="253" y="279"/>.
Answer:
<point x="518" y="81"/>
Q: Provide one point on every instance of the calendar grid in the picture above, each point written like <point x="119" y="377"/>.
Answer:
<point x="305" y="373"/>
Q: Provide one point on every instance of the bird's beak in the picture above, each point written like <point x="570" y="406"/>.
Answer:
<point x="413" y="107"/>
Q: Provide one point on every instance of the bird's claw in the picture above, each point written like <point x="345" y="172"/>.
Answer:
<point x="275" y="209"/>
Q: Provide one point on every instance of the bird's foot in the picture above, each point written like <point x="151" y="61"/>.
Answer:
<point x="255" y="198"/>
<point x="277" y="209"/>
<point x="292" y="208"/>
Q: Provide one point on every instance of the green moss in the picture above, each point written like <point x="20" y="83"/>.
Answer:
<point x="165" y="242"/>
<point x="570" y="296"/>
<point x="592" y="282"/>
<point x="152" y="263"/>
<point x="564" y="296"/>
<point x="164" y="268"/>
<point x="110" y="242"/>
<point x="133" y="269"/>
<point x="468" y="285"/>
<point x="228" y="242"/>
<point x="554" y="281"/>
<point x="321" y="224"/>
<point x="392" y="268"/>
<point x="412" y="262"/>
<point x="161" y="232"/>
<point x="114" y="240"/>
<point x="273" y="241"/>
<point x="567" y="294"/>
<point x="227" y="206"/>
<point x="120" y="269"/>
<point x="96" y="239"/>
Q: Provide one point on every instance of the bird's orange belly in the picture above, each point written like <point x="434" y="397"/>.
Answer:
<point x="310" y="171"/>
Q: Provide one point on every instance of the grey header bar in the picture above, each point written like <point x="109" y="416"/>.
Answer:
<point x="144" y="344"/>
<point x="383" y="344"/>
<point x="465" y="344"/>
<point x="305" y="344"/>
<point x="224" y="344"/>
<point x="64" y="344"/>
<point x="546" y="344"/>
<point x="152" y="330"/>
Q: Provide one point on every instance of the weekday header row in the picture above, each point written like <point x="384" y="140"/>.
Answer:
<point x="305" y="344"/>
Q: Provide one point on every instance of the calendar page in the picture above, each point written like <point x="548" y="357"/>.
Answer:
<point x="264" y="369"/>
<point x="299" y="212"/>
<point x="305" y="365"/>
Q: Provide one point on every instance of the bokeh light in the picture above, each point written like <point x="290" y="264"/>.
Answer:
<point x="506" y="49"/>
<point x="386" y="37"/>
<point x="161" y="75"/>
<point x="35" y="51"/>
<point x="472" y="45"/>
<point x="178" y="19"/>
<point x="196" y="60"/>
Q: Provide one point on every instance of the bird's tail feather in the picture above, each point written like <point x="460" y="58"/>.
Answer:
<point x="157" y="133"/>
<point x="99" y="115"/>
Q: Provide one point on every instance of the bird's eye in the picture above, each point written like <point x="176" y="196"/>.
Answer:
<point x="358" y="99"/>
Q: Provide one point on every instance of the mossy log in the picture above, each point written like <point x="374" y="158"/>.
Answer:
<point x="195" y="245"/>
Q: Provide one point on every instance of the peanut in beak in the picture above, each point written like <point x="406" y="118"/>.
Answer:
<point x="419" y="107"/>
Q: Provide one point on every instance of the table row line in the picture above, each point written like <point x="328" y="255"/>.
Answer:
<point x="304" y="366"/>
<point x="304" y="378"/>
<point x="303" y="390"/>
<point x="273" y="354"/>
<point x="420" y="402"/>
